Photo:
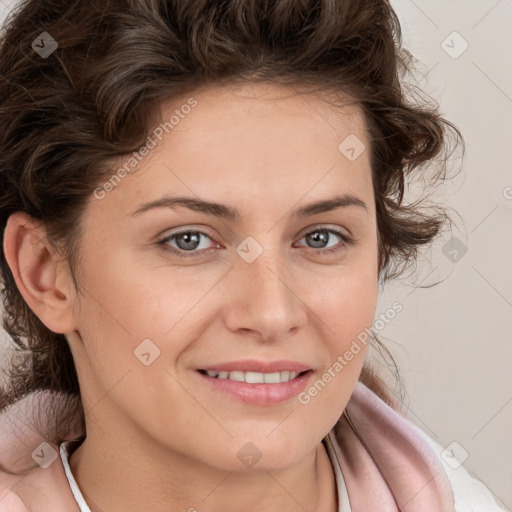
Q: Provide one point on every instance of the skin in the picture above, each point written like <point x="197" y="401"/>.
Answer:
<point x="157" y="434"/>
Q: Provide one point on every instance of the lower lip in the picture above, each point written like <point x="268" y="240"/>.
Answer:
<point x="259" y="394"/>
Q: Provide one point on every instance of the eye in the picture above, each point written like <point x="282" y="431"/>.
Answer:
<point x="319" y="237"/>
<point x="190" y="241"/>
<point x="186" y="241"/>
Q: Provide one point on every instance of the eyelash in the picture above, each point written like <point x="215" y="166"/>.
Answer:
<point x="346" y="241"/>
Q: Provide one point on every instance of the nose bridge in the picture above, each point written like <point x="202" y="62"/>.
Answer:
<point x="267" y="275"/>
<point x="265" y="297"/>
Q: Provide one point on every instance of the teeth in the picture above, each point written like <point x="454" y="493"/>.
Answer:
<point x="254" y="377"/>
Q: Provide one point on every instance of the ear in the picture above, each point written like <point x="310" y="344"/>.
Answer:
<point x="43" y="282"/>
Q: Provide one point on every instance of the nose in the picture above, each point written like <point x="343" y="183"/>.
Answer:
<point x="265" y="296"/>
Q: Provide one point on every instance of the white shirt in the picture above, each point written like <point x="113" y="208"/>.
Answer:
<point x="82" y="505"/>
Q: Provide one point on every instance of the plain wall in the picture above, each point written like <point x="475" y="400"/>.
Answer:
<point x="453" y="341"/>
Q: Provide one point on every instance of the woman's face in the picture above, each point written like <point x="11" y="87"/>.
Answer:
<point x="269" y="285"/>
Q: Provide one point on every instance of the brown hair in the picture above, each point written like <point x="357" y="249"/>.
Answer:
<point x="65" y="116"/>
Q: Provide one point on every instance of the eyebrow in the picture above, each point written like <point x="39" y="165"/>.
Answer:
<point x="230" y="213"/>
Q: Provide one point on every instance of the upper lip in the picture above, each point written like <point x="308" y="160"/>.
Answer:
<point x="251" y="365"/>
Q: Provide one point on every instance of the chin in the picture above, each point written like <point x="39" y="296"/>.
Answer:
<point x="260" y="456"/>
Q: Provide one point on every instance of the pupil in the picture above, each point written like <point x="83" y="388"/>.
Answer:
<point x="190" y="238"/>
<point x="319" y="236"/>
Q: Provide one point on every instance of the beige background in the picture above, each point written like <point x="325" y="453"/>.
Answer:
<point x="453" y="341"/>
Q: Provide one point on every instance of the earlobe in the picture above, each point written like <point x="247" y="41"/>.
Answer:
<point x="33" y="264"/>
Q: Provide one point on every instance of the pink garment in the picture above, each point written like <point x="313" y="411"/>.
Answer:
<point x="386" y="465"/>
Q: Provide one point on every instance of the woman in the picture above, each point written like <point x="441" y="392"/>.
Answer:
<point x="198" y="203"/>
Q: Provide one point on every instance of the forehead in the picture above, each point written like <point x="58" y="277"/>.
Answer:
<point x="247" y="143"/>
<point x="264" y="115"/>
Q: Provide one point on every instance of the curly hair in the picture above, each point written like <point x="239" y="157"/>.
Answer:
<point x="67" y="115"/>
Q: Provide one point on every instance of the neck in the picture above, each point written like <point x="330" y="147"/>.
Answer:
<point x="116" y="478"/>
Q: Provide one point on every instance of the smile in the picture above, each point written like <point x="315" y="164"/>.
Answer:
<point x="255" y="388"/>
<point x="253" y="377"/>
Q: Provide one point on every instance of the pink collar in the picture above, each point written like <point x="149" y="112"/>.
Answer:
<point x="387" y="466"/>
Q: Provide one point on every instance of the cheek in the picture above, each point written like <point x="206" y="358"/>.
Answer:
<point x="124" y="303"/>
<point x="343" y="309"/>
<point x="135" y="324"/>
<point x="345" y="302"/>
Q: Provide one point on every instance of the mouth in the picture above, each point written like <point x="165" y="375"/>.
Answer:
<point x="255" y="388"/>
<point x="254" y="377"/>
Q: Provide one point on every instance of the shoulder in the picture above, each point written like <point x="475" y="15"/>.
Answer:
<point x="32" y="476"/>
<point x="396" y="440"/>
<point x="470" y="494"/>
